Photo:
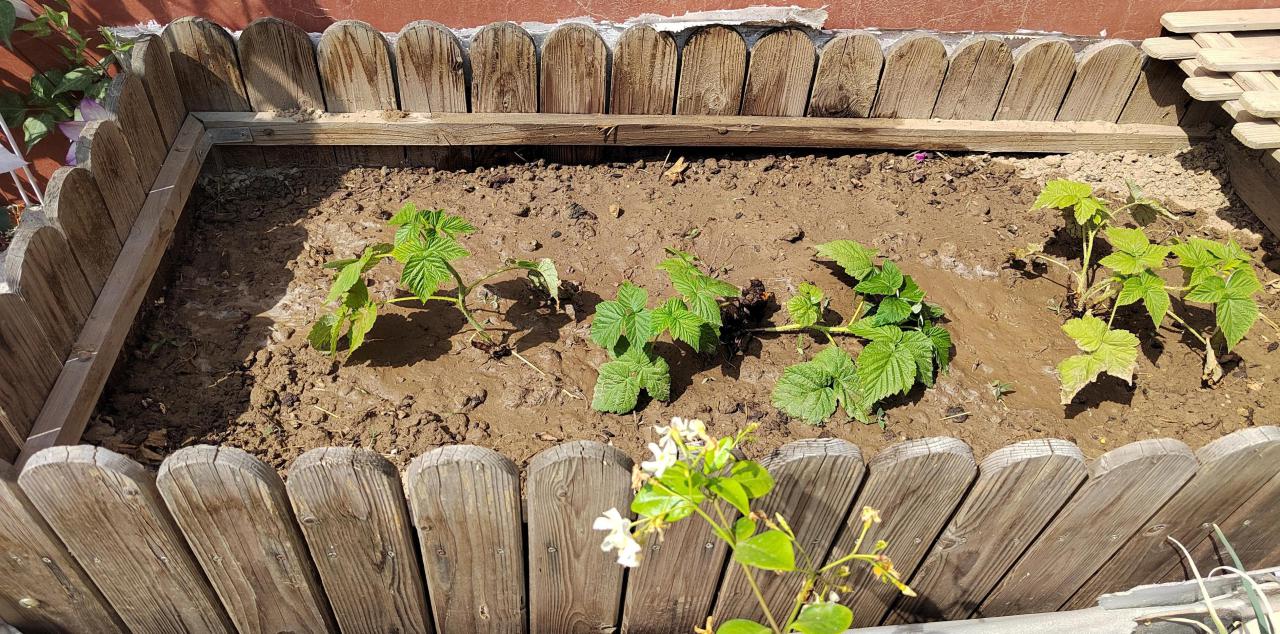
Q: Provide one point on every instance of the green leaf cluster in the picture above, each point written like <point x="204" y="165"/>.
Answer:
<point x="1113" y="351"/>
<point x="1075" y="198"/>
<point x="1221" y="275"/>
<point x="1135" y="263"/>
<point x="426" y="243"/>
<point x="904" y="343"/>
<point x="356" y="311"/>
<point x="626" y="327"/>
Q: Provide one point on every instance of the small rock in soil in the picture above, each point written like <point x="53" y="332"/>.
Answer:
<point x="956" y="414"/>
<point x="793" y="234"/>
<point x="578" y="212"/>
<point x="530" y="246"/>
<point x="496" y="181"/>
<point x="615" y="210"/>
<point x="556" y="233"/>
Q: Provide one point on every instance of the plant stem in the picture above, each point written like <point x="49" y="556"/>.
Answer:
<point x="764" y="605"/>
<point x="1188" y="328"/>
<point x="443" y="298"/>
<point x="492" y="275"/>
<point x="1082" y="280"/>
<point x="463" y="290"/>
<point x="805" y="590"/>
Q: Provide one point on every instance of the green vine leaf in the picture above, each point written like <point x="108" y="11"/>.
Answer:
<point x="625" y="316"/>
<point x="684" y="326"/>
<point x="885" y="281"/>
<point x="1236" y="311"/>
<point x="742" y="626"/>
<point x="544" y="276"/>
<point x="618" y="386"/>
<point x="1148" y="288"/>
<point x="812" y="390"/>
<point x="887" y="367"/>
<point x="805" y="308"/>
<point x="855" y="259"/>
<point x="1113" y="351"/>
<point x="891" y="310"/>
<point x="1072" y="196"/>
<point x="823" y="618"/>
<point x="770" y="550"/>
<point x="1133" y="253"/>
<point x="941" y="339"/>
<point x="427" y="266"/>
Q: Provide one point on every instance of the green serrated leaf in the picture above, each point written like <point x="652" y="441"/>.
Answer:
<point x="941" y="339"/>
<point x="1143" y="208"/>
<point x="323" y="335"/>
<point x="1235" y="316"/>
<point x="1112" y="351"/>
<point x="684" y="326"/>
<point x="805" y="308"/>
<point x="855" y="259"/>
<point x="544" y="275"/>
<point x="890" y="311"/>
<point x="625" y="316"/>
<point x="805" y="391"/>
<point x="922" y="352"/>
<point x="618" y="386"/>
<point x="885" y="281"/>
<point x="886" y="367"/>
<point x="1062" y="194"/>
<point x="1210" y="291"/>
<point x="770" y="550"/>
<point x="362" y="320"/>
<point x="823" y="618"/>
<point x="1148" y="288"/>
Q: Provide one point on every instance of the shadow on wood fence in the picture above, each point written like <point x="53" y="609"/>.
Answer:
<point x="217" y="541"/>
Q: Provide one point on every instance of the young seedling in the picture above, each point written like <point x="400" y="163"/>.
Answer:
<point x="904" y="343"/>
<point x="1218" y="275"/>
<point x="693" y="473"/>
<point x="427" y="249"/>
<point x="626" y="327"/>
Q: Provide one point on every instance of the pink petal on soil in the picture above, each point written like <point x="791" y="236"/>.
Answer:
<point x="920" y="157"/>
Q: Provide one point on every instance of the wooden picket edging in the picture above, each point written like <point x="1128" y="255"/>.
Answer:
<point x="218" y="541"/>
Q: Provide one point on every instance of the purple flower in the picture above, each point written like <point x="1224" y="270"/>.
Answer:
<point x="920" y="157"/>
<point x="88" y="110"/>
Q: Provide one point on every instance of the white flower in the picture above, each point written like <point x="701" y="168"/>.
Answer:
<point x="665" y="454"/>
<point x="21" y="10"/>
<point x="689" y="430"/>
<point x="619" y="537"/>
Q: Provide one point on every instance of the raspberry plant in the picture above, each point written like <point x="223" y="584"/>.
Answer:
<point x="427" y="248"/>
<point x="693" y="473"/>
<point x="1218" y="275"/>
<point x="904" y="342"/>
<point x="626" y="327"/>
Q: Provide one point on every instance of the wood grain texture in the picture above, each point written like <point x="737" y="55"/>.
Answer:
<point x="42" y="588"/>
<point x="575" y="61"/>
<point x="1255" y="177"/>
<point x="127" y="100"/>
<point x="1019" y="489"/>
<point x="1251" y="530"/>
<point x="574" y="587"/>
<point x="1261" y="103"/>
<point x="106" y="509"/>
<point x="36" y="267"/>
<point x="915" y="485"/>
<point x="504" y="70"/>
<point x="1170" y="48"/>
<point x="713" y="68"/>
<point x="103" y="150"/>
<point x="644" y="72"/>
<point x="355" y="74"/>
<point x="27" y="374"/>
<point x="431" y="75"/>
<point x="1232" y="469"/>
<point x="679" y="130"/>
<point x="1257" y="135"/>
<point x="352" y="512"/>
<point x="205" y="65"/>
<point x="279" y="67"/>
<point x="1223" y="20"/>
<point x="847" y="77"/>
<point x="475" y="569"/>
<point x="1104" y="79"/>
<point x="1237" y="59"/>
<point x="662" y="596"/>
<point x="977" y="73"/>
<point x="779" y="74"/>
<point x="814" y="484"/>
<point x="149" y="59"/>
<point x="234" y="513"/>
<point x="914" y="68"/>
<point x="1042" y="72"/>
<point x="1208" y="88"/>
<point x="1126" y="486"/>
<point x="74" y="205"/>
<point x="97" y="345"/>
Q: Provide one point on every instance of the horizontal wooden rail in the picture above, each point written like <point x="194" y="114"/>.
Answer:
<point x="405" y="128"/>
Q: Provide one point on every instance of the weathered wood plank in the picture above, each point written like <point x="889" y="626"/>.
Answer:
<point x="430" y="75"/>
<point x="234" y="513"/>
<point x="1158" y="96"/>
<point x="504" y="70"/>
<point x="27" y="374"/>
<point x="128" y="102"/>
<point x="1257" y="135"/>
<point x="915" y="485"/>
<point x="355" y="74"/>
<point x="644" y="72"/>
<point x="353" y="516"/>
<point x="678" y="130"/>
<point x="1104" y="79"/>
<point x="1019" y="490"/>
<point x="475" y="570"/>
<point x="76" y="392"/>
<point x="279" y="67"/>
<point x="1225" y="20"/>
<point x="149" y="59"/>
<point x="1042" y="72"/>
<point x="1170" y="48"/>
<point x="662" y="595"/>
<point x="103" y="150"/>
<point x="1237" y="59"/>
<point x="1255" y="177"/>
<point x="205" y="65"/>
<point x="977" y="73"/>
<point x="1251" y="530"/>
<point x="574" y="64"/>
<point x="36" y="267"/>
<point x="42" y="588"/>
<point x="779" y="74"/>
<point x="107" y="511"/>
<point x="1232" y="469"/>
<point x="713" y="68"/>
<point x="1212" y="88"/>
<point x="1126" y="486"/>
<point x="575" y="587"/>
<point x="1261" y="103"/>
<point x="847" y="77"/>
<point x="814" y="484"/>
<point x="74" y="205"/>
<point x="914" y="68"/>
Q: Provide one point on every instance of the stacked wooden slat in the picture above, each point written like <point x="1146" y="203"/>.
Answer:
<point x="1232" y="58"/>
<point x="217" y="541"/>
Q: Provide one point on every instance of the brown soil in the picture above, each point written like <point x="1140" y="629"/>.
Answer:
<point x="222" y="357"/>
